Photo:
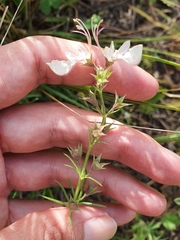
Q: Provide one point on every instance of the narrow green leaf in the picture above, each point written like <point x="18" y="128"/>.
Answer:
<point x="64" y="191"/>
<point x="54" y="200"/>
<point x="69" y="166"/>
<point x="92" y="204"/>
<point x="76" y="167"/>
<point x="71" y="187"/>
<point x="80" y="195"/>
<point x="94" y="180"/>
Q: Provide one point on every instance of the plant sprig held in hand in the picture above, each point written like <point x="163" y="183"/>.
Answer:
<point x="86" y="184"/>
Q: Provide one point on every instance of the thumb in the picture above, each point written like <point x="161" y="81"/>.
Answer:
<point x="88" y="224"/>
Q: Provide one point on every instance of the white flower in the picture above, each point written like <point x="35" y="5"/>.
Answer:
<point x="134" y="55"/>
<point x="131" y="55"/>
<point x="63" y="67"/>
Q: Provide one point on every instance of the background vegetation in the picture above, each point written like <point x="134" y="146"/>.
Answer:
<point x="155" y="24"/>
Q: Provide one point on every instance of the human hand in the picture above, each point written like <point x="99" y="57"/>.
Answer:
<point x="28" y="161"/>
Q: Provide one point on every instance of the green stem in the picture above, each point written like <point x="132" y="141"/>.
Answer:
<point x="103" y="108"/>
<point x="82" y="180"/>
<point x="81" y="185"/>
<point x="83" y="172"/>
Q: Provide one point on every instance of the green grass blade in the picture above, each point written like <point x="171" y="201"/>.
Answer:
<point x="154" y="105"/>
<point x="161" y="60"/>
<point x="170" y="138"/>
<point x="63" y="94"/>
<point x="170" y="54"/>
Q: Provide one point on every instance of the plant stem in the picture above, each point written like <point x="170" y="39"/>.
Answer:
<point x="103" y="108"/>
<point x="83" y="172"/>
<point x="82" y="179"/>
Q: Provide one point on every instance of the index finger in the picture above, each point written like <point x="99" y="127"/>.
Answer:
<point x="23" y="67"/>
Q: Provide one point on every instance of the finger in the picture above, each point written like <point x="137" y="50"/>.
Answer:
<point x="89" y="224"/>
<point x="20" y="208"/>
<point x="42" y="169"/>
<point x="4" y="192"/>
<point x="24" y="68"/>
<point x="47" y="125"/>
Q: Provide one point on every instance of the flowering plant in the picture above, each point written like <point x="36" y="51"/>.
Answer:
<point x="131" y="55"/>
<point x="86" y="184"/>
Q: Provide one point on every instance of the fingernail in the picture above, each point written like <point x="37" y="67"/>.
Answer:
<point x="102" y="228"/>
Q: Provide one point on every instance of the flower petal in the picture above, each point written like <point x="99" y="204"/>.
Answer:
<point x="61" y="67"/>
<point x="123" y="48"/>
<point x="134" y="55"/>
<point x="112" y="49"/>
<point x="108" y="52"/>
